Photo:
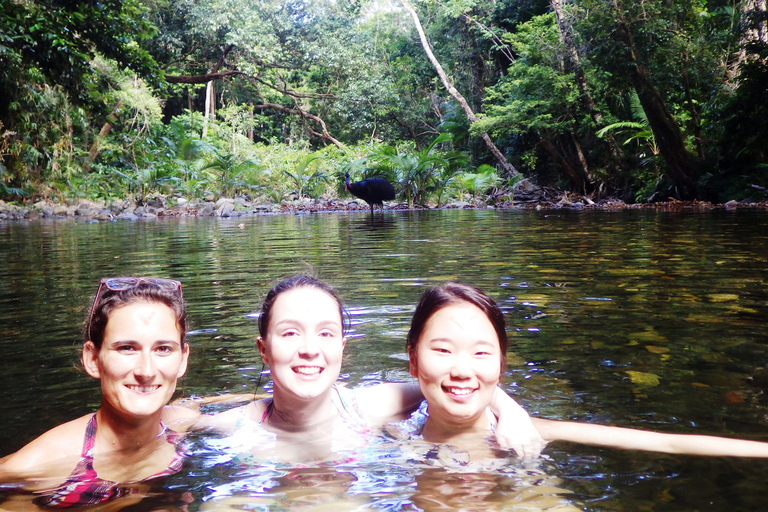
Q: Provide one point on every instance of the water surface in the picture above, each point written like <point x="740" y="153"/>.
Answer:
<point x="635" y="318"/>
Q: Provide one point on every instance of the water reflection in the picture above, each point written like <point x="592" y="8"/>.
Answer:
<point x="139" y="497"/>
<point x="440" y="489"/>
<point x="295" y="489"/>
<point x="655" y="320"/>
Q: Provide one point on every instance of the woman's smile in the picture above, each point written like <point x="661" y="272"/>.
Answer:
<point x="143" y="389"/>
<point x="457" y="364"/>
<point x="459" y="393"/>
<point x="140" y="359"/>
<point x="308" y="370"/>
<point x="303" y="345"/>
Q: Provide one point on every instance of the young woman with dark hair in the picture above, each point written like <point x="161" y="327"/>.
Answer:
<point x="134" y="343"/>
<point x="457" y="347"/>
<point x="310" y="417"/>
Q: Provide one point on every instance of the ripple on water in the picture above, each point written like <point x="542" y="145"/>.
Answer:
<point x="587" y="298"/>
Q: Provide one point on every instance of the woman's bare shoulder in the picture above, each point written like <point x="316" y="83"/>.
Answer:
<point x="61" y="445"/>
<point x="226" y="422"/>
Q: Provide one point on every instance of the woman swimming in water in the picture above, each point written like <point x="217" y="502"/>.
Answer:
<point x="457" y="346"/>
<point x="309" y="417"/>
<point x="134" y="343"/>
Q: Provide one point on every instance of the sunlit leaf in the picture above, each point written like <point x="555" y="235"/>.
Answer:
<point x="722" y="297"/>
<point x="643" y="379"/>
<point x="647" y="336"/>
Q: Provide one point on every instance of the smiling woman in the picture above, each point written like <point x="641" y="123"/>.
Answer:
<point x="457" y="364"/>
<point x="135" y="345"/>
<point x="310" y="418"/>
<point x="456" y="347"/>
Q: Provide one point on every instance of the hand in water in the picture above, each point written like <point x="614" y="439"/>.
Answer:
<point x="521" y="436"/>
<point x="515" y="430"/>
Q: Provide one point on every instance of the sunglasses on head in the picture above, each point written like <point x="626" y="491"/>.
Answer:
<point x="119" y="284"/>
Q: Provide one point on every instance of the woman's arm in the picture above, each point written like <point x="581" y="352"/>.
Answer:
<point x="384" y="402"/>
<point x="184" y="414"/>
<point x="50" y="457"/>
<point x="514" y="429"/>
<point x="633" y="439"/>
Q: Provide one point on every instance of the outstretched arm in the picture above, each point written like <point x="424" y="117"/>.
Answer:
<point x="384" y="402"/>
<point x="47" y="460"/>
<point x="633" y="439"/>
<point x="515" y="430"/>
<point x="184" y="414"/>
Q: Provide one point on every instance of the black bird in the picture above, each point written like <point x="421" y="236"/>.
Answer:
<point x="372" y="191"/>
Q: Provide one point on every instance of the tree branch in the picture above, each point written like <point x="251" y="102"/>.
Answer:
<point x="201" y="79"/>
<point x="509" y="169"/>
<point x="255" y="81"/>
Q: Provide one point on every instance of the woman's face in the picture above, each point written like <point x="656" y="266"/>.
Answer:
<point x="304" y="343"/>
<point x="140" y="359"/>
<point x="457" y="364"/>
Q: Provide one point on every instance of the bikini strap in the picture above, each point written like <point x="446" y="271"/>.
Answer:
<point x="86" y="456"/>
<point x="492" y="421"/>
<point x="267" y="411"/>
<point x="174" y="438"/>
<point x="90" y="437"/>
<point x="346" y="404"/>
<point x="170" y="435"/>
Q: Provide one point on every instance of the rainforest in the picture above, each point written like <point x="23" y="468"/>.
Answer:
<point x="447" y="99"/>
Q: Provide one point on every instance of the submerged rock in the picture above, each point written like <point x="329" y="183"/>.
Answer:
<point x="226" y="209"/>
<point x="127" y="215"/>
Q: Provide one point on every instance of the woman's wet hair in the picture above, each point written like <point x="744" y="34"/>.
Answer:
<point x="439" y="297"/>
<point x="292" y="283"/>
<point x="109" y="301"/>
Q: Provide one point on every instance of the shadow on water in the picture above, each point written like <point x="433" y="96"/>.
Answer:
<point x="377" y="225"/>
<point x="634" y="318"/>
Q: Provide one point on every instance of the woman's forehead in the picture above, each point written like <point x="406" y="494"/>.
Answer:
<point x="306" y="301"/>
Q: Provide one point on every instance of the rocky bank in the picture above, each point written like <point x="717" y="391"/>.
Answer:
<point x="173" y="206"/>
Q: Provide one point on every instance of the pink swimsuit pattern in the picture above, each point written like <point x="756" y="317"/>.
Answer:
<point x="84" y="487"/>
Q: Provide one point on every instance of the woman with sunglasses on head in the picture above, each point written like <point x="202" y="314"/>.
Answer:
<point x="457" y="346"/>
<point x="134" y="343"/>
<point x="309" y="417"/>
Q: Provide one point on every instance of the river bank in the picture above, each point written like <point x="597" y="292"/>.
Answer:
<point x="130" y="210"/>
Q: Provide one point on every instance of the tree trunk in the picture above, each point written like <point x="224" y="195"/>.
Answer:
<point x="578" y="180"/>
<point x="93" y="153"/>
<point x="582" y="161"/>
<point x="250" y="121"/>
<point x="210" y="99"/>
<point x="753" y="29"/>
<point x="565" y="29"/>
<point x="695" y="118"/>
<point x="507" y="167"/>
<point x="682" y="164"/>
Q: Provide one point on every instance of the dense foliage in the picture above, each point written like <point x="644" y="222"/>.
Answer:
<point x="637" y="100"/>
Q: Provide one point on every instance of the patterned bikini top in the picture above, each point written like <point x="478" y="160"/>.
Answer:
<point x="84" y="487"/>
<point x="350" y="433"/>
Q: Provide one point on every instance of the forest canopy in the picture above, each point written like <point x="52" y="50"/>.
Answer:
<point x="640" y="101"/>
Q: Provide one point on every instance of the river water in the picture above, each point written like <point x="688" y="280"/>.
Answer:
<point x="654" y="320"/>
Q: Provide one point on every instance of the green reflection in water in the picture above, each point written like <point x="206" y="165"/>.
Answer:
<point x="633" y="318"/>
